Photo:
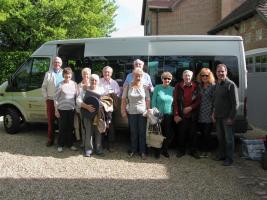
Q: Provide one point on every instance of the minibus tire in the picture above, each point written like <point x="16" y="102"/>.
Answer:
<point x="12" y="120"/>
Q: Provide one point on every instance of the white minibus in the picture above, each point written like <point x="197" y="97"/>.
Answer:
<point x="21" y="100"/>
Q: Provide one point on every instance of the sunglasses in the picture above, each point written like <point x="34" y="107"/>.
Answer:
<point x="204" y="75"/>
<point x="167" y="79"/>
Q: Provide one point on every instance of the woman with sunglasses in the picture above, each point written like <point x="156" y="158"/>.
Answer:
<point x="207" y="82"/>
<point x="162" y="99"/>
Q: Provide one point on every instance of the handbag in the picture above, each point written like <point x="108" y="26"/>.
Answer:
<point x="154" y="137"/>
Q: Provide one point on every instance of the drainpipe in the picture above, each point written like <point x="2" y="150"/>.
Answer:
<point x="157" y="25"/>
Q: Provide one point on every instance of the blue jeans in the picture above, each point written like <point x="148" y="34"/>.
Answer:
<point x="226" y="139"/>
<point x="137" y="124"/>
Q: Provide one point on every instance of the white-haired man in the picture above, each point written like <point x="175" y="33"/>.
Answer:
<point x="146" y="80"/>
<point x="111" y="88"/>
<point x="51" y="81"/>
<point x="186" y="100"/>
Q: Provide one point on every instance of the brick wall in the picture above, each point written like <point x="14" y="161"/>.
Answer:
<point x="190" y="17"/>
<point x="253" y="31"/>
<point x="227" y="6"/>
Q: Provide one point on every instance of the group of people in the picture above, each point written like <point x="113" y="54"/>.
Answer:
<point x="187" y="108"/>
<point x="77" y="107"/>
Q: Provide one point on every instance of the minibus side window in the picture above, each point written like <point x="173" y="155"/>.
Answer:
<point x="122" y="65"/>
<point x="22" y="77"/>
<point x="177" y="64"/>
<point x="39" y="67"/>
<point x="30" y="75"/>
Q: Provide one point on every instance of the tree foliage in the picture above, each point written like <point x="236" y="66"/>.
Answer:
<point x="10" y="61"/>
<point x="26" y="24"/>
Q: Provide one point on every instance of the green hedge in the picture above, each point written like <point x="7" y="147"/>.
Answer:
<point x="10" y="61"/>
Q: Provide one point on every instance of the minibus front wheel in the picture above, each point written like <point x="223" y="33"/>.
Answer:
<point x="12" y="120"/>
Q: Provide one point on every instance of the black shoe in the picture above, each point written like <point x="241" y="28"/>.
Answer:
<point x="49" y="143"/>
<point x="101" y="154"/>
<point x="143" y="156"/>
<point x="130" y="154"/>
<point x="180" y="154"/>
<point x="157" y="155"/>
<point x="195" y="154"/>
<point x="165" y="153"/>
<point x="218" y="158"/>
<point x="227" y="162"/>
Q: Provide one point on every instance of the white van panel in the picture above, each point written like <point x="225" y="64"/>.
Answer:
<point x="116" y="47"/>
<point x="201" y="48"/>
<point x="46" y="50"/>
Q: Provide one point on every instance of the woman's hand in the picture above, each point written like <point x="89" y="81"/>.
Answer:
<point x="177" y="119"/>
<point x="187" y="110"/>
<point x="213" y="117"/>
<point x="90" y="108"/>
<point x="123" y="114"/>
<point x="57" y="114"/>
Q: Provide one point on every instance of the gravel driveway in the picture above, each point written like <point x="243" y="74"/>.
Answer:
<point x="30" y="170"/>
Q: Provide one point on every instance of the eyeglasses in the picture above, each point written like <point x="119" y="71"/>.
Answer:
<point x="167" y="79"/>
<point x="204" y="75"/>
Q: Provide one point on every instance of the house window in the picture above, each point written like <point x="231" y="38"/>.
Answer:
<point x="249" y="64"/>
<point x="258" y="34"/>
<point x="148" y="27"/>
<point x="253" y="24"/>
<point x="242" y="28"/>
<point x="248" y="38"/>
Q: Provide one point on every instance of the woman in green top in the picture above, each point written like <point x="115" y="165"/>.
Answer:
<point x="162" y="99"/>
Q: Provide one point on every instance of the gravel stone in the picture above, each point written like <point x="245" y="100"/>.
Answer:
<point x="30" y="170"/>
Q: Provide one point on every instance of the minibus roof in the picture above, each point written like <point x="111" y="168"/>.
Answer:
<point x="151" y="38"/>
<point x="256" y="51"/>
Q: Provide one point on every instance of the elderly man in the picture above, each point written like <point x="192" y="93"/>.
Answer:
<point x="111" y="88"/>
<point x="146" y="80"/>
<point x="51" y="81"/>
<point x="186" y="100"/>
<point x="225" y="104"/>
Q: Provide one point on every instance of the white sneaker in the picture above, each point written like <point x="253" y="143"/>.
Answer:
<point x="73" y="148"/>
<point x="88" y="153"/>
<point x="60" y="149"/>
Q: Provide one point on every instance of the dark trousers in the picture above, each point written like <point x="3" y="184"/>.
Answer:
<point x="187" y="136"/>
<point x="138" y="132"/>
<point x="66" y="125"/>
<point x="205" y="130"/>
<point x="167" y="131"/>
<point x="50" y="110"/>
<point x="226" y="139"/>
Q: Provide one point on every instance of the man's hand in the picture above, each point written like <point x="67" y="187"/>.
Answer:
<point x="229" y="121"/>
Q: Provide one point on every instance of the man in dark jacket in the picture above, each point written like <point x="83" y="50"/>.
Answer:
<point x="225" y="104"/>
<point x="186" y="101"/>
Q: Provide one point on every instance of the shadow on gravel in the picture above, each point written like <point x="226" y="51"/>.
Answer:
<point x="204" y="175"/>
<point x="31" y="141"/>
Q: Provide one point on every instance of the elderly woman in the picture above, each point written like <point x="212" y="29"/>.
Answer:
<point x="82" y="86"/>
<point x="93" y="139"/>
<point x="162" y="99"/>
<point x="65" y="109"/>
<point x="138" y="102"/>
<point x="207" y="86"/>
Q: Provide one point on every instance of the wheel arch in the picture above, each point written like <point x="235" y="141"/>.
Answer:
<point x="5" y="107"/>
